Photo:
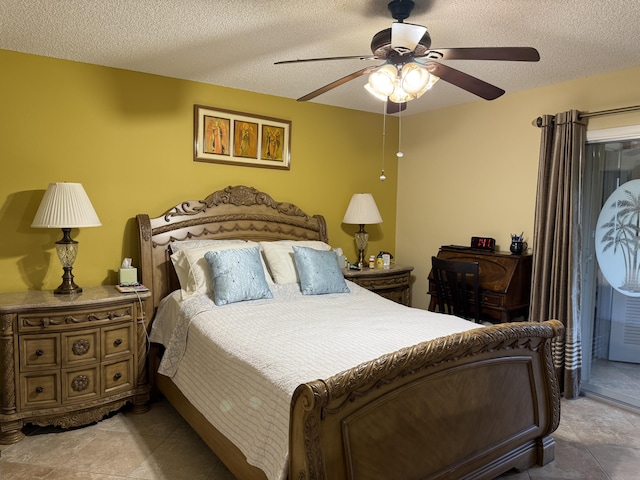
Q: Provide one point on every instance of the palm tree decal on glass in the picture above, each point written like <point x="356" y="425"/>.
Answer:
<point x="619" y="245"/>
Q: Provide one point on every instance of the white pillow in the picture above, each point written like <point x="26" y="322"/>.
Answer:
<point x="193" y="270"/>
<point x="279" y="257"/>
<point x="178" y="245"/>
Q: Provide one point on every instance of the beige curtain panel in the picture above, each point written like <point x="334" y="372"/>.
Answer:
<point x="555" y="291"/>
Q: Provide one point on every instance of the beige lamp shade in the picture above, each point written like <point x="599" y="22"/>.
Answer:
<point x="65" y="205"/>
<point x="362" y="210"/>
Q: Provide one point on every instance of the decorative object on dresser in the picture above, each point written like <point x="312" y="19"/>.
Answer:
<point x="505" y="282"/>
<point x="66" y="206"/>
<point x="70" y="360"/>
<point x="392" y="283"/>
<point x="362" y="210"/>
<point x="518" y="245"/>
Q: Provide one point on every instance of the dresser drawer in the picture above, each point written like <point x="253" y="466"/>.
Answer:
<point x="383" y="282"/>
<point x="72" y="319"/>
<point x="39" y="352"/>
<point x="38" y="390"/>
<point x="80" y="347"/>
<point x="491" y="300"/>
<point x="117" y="376"/>
<point x="80" y="384"/>
<point x="117" y="341"/>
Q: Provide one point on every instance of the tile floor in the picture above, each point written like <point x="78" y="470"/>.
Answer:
<point x="617" y="380"/>
<point x="594" y="441"/>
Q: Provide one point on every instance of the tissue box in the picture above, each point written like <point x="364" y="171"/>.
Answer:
<point x="128" y="276"/>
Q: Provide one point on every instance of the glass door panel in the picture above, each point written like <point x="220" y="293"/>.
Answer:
<point x="611" y="315"/>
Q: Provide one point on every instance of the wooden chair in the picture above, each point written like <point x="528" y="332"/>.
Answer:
<point x="456" y="284"/>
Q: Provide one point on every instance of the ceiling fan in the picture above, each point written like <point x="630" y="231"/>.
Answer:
<point x="411" y="67"/>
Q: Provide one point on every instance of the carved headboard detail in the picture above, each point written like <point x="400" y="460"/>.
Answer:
<point x="233" y="212"/>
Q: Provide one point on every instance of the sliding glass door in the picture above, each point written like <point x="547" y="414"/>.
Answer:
<point x="611" y="265"/>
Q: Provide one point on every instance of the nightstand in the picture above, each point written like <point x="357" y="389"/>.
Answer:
<point x="392" y="283"/>
<point x="70" y="360"/>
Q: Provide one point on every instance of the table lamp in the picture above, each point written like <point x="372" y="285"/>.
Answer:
<point x="362" y="210"/>
<point x="66" y="206"/>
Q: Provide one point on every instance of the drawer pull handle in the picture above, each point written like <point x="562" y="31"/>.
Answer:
<point x="80" y="383"/>
<point x="80" y="347"/>
<point x="117" y="376"/>
<point x="39" y="389"/>
<point x="117" y="342"/>
<point x="39" y="352"/>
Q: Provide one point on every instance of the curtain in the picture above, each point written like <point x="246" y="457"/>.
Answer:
<point x="555" y="284"/>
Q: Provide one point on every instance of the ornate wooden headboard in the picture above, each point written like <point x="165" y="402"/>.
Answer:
<point x="234" y="212"/>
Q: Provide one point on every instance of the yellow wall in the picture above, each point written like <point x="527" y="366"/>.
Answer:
<point x="127" y="137"/>
<point x="472" y="169"/>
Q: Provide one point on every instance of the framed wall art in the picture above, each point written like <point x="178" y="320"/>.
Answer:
<point x="236" y="138"/>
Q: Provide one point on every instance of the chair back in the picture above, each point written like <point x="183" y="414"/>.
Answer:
<point x="458" y="287"/>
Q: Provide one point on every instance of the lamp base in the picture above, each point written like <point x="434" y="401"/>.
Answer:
<point x="68" y="286"/>
<point x="362" y="238"/>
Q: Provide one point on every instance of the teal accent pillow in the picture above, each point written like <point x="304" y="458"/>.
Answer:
<point x="237" y="275"/>
<point x="319" y="271"/>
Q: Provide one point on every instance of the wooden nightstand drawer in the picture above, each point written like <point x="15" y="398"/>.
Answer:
<point x="80" y="384"/>
<point x="117" y="376"/>
<point x="80" y="347"/>
<point x="39" y="352"/>
<point x="393" y="283"/>
<point x="71" y="319"/>
<point x="38" y="390"/>
<point x="117" y="341"/>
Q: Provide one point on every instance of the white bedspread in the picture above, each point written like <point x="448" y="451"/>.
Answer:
<point x="244" y="360"/>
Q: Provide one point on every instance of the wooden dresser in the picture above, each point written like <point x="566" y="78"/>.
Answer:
<point x="505" y="282"/>
<point x="70" y="360"/>
<point x="392" y="283"/>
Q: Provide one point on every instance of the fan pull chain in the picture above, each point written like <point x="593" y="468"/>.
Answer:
<point x="383" y="177"/>
<point x="400" y="154"/>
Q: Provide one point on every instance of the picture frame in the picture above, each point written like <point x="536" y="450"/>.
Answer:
<point x="236" y="138"/>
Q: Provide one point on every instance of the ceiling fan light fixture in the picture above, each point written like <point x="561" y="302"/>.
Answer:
<point x="414" y="78"/>
<point x="383" y="80"/>
<point x="432" y="80"/>
<point x="379" y="96"/>
<point x="399" y="95"/>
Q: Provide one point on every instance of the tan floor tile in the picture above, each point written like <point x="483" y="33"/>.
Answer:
<point x="160" y="420"/>
<point x="114" y="453"/>
<point x="620" y="463"/>
<point x="182" y="455"/>
<point x="22" y="471"/>
<point x="64" y="474"/>
<point x="221" y="473"/>
<point x="50" y="449"/>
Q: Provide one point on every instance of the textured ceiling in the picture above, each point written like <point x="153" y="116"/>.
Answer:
<point x="235" y="43"/>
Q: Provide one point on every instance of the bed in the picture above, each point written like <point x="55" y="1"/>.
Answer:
<point x="470" y="404"/>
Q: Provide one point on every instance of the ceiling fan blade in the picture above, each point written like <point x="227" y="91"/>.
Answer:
<point x="465" y="81"/>
<point x="303" y="60"/>
<point x="405" y="36"/>
<point x="393" y="107"/>
<point x="514" y="54"/>
<point x="337" y="83"/>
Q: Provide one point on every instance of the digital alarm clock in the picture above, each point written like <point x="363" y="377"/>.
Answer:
<point x="483" y="243"/>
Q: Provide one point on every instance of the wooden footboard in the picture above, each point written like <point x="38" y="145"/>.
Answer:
<point x="470" y="405"/>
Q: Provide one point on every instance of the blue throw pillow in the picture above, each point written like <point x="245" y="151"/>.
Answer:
<point x="237" y="275"/>
<point x="319" y="271"/>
